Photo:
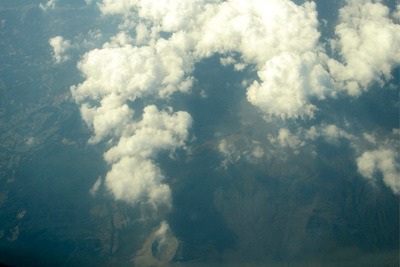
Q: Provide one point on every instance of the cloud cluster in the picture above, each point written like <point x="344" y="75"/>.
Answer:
<point x="278" y="39"/>
<point x="60" y="47"/>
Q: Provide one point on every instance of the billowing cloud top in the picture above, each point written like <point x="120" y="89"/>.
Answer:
<point x="368" y="44"/>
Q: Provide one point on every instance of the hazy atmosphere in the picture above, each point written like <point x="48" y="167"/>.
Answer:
<point x="199" y="132"/>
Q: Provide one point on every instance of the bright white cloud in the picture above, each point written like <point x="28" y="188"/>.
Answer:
<point x="288" y="82"/>
<point x="281" y="39"/>
<point x="134" y="177"/>
<point x="138" y="180"/>
<point x="158" y="130"/>
<point x="60" y="47"/>
<point x="368" y="43"/>
<point x="277" y="36"/>
<point x="382" y="161"/>
<point x="107" y="119"/>
<point x="133" y="72"/>
<point x="165" y="15"/>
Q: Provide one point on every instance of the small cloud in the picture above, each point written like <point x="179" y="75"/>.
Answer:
<point x="258" y="152"/>
<point x="226" y="61"/>
<point x="95" y="188"/>
<point x="384" y="161"/>
<point x="229" y="152"/>
<point x="50" y="4"/>
<point x="286" y="139"/>
<point x="60" y="47"/>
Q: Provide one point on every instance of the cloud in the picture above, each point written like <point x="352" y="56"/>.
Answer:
<point x="383" y="161"/>
<point x="233" y="149"/>
<point x="123" y="69"/>
<point x="286" y="139"/>
<point x="287" y="84"/>
<point x="60" y="47"/>
<point x="50" y="4"/>
<point x="281" y="40"/>
<point x="229" y="152"/>
<point x="368" y="42"/>
<point x="162" y="233"/>
<point x="134" y="177"/>
<point x="107" y="119"/>
<point x="158" y="130"/>
<point x="137" y="180"/>
<point x="165" y="15"/>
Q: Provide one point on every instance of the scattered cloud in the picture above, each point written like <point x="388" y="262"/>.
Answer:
<point x="60" y="48"/>
<point x="286" y="139"/>
<point x="278" y="39"/>
<point x="229" y="153"/>
<point x="383" y="161"/>
<point x="233" y="149"/>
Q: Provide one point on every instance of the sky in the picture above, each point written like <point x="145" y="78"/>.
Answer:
<point x="271" y="84"/>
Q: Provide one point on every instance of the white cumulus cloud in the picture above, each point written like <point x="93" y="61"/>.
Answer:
<point x="134" y="176"/>
<point x="60" y="48"/>
<point x="368" y="44"/>
<point x="383" y="161"/>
